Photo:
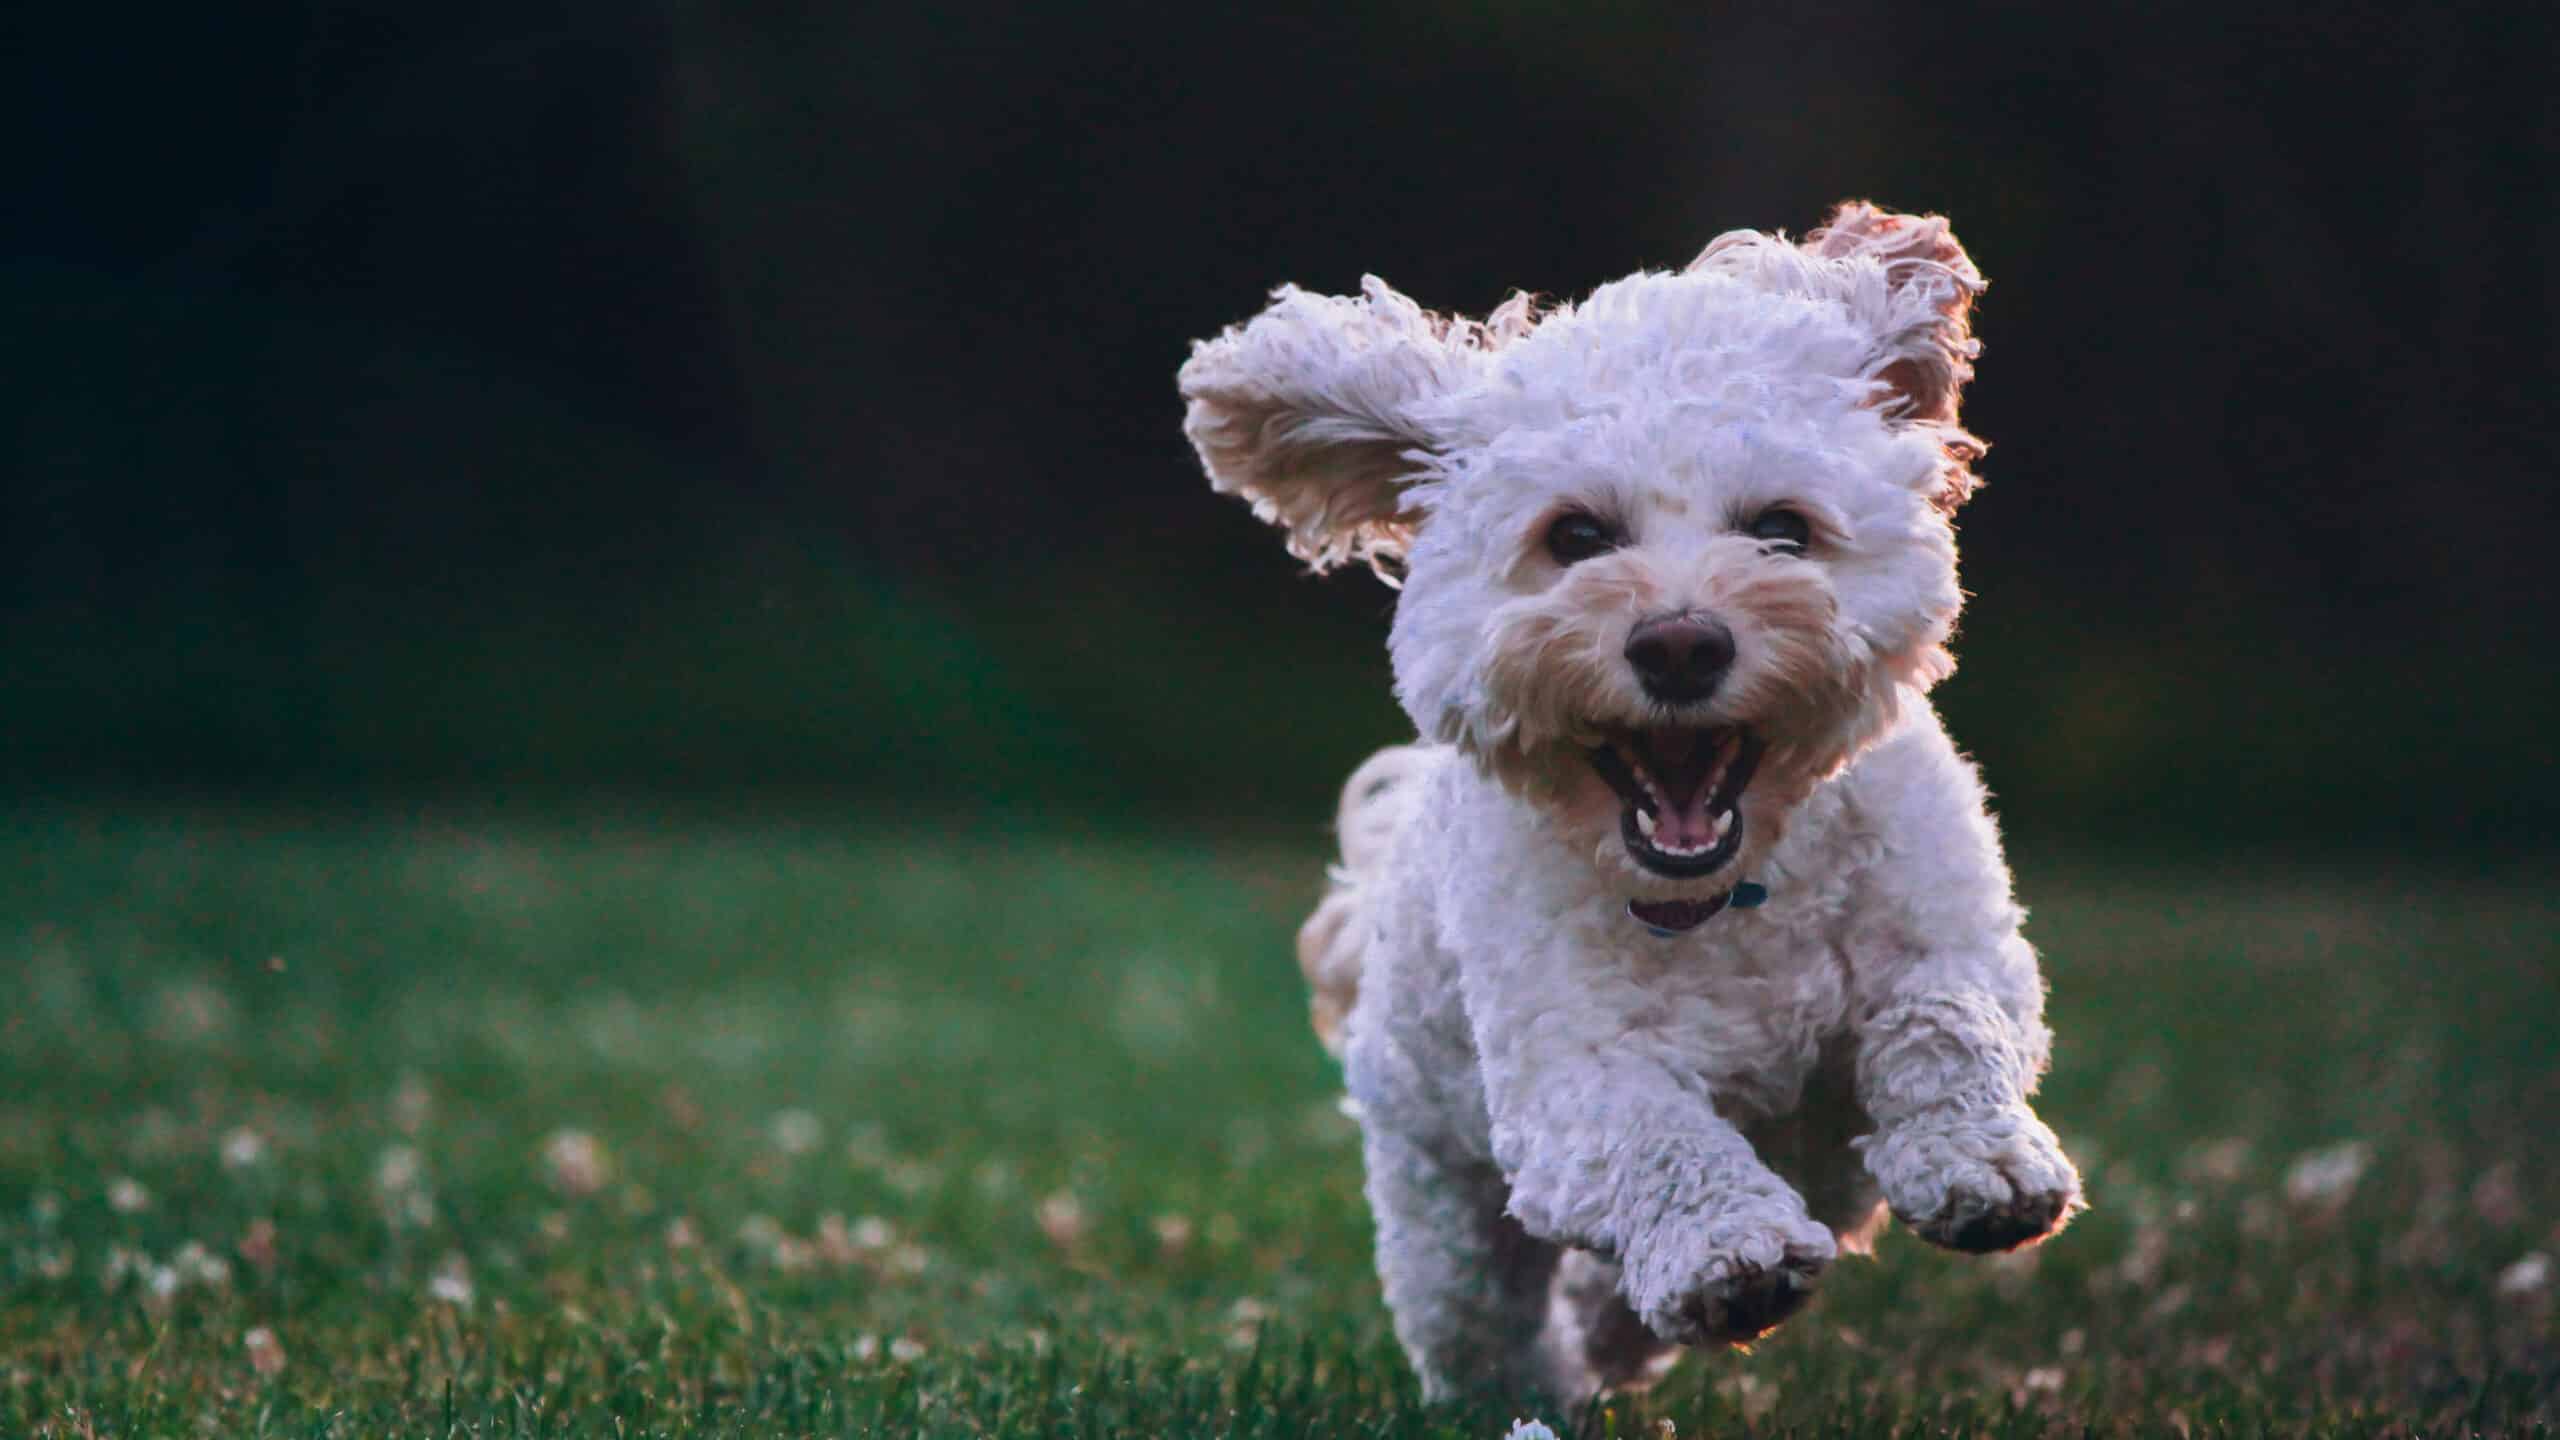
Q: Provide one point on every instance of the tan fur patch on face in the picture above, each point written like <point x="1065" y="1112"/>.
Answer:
<point x="1557" y="670"/>
<point x="1557" y="680"/>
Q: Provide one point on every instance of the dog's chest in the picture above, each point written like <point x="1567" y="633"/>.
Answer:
<point x="1749" y="1009"/>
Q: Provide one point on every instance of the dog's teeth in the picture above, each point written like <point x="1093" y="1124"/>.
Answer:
<point x="1644" y="823"/>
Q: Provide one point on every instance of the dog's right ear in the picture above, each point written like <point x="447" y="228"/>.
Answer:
<point x="1311" y="412"/>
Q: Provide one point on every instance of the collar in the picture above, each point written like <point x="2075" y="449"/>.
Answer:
<point x="1665" y="919"/>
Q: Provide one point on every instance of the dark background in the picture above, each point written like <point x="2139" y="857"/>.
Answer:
<point x="774" y="405"/>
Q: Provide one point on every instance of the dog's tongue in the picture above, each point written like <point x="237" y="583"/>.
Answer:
<point x="1685" y="826"/>
<point x="1683" y="764"/>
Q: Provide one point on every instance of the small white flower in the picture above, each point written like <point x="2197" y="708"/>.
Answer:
<point x="197" y="1265"/>
<point x="243" y="1148"/>
<point x="1244" y="1322"/>
<point x="904" y="1349"/>
<point x="1061" y="1218"/>
<point x="835" y="1241"/>
<point x="160" y="1286"/>
<point x="400" y="1183"/>
<point x="126" y="1196"/>
<point x="2323" y="1179"/>
<point x="193" y="1011"/>
<point x="398" y="1170"/>
<point x="2528" y="1276"/>
<point x="452" y="1282"/>
<point x="266" y="1353"/>
<point x="576" y="1162"/>
<point x="1529" y="1430"/>
<point x="2221" y="1161"/>
<point x="796" y="1132"/>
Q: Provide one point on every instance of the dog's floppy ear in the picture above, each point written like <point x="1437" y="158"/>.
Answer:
<point x="1907" y="279"/>
<point x="1309" y="411"/>
<point x="1932" y="282"/>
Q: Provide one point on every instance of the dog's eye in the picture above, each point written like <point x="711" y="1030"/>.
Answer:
<point x="1577" y="537"/>
<point x="1783" y="528"/>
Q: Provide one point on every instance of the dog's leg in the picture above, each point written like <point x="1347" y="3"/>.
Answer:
<point x="1595" y="1340"/>
<point x="1608" y="1131"/>
<point x="1467" y="1287"/>
<point x="1947" y="1016"/>
<point x="1963" y="1161"/>
<point x="1620" y="1156"/>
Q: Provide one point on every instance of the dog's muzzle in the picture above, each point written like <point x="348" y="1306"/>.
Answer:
<point x="1681" y="792"/>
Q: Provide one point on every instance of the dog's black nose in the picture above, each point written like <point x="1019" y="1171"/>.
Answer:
<point x="1680" y="657"/>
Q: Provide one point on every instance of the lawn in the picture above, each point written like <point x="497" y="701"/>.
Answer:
<point x="621" y="1128"/>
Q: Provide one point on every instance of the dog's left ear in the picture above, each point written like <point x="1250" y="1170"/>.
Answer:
<point x="1928" y="329"/>
<point x="1909" y="281"/>
<point x="1311" y="412"/>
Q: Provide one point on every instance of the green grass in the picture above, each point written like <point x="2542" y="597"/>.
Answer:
<point x="1023" y="1134"/>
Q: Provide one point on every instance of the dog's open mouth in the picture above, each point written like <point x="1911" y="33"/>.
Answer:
<point x="1682" y="788"/>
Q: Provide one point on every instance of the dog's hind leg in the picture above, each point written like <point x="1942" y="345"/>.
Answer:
<point x="1467" y="1286"/>
<point x="1595" y="1340"/>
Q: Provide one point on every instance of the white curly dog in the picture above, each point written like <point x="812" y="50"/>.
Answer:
<point x="1682" y="946"/>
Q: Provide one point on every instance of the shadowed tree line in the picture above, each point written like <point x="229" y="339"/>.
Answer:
<point x="780" y="398"/>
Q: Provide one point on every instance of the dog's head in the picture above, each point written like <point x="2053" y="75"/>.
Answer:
<point x="1670" y="557"/>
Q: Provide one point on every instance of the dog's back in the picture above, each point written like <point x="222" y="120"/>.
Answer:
<point x="1331" y="945"/>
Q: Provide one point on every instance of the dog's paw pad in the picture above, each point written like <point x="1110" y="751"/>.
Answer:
<point x="1978" y="1226"/>
<point x="1750" y="1301"/>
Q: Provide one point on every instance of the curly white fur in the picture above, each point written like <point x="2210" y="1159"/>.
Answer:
<point x="1587" y="1142"/>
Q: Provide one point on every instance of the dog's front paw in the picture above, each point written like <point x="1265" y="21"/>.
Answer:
<point x="1975" y="1181"/>
<point x="1737" y="1285"/>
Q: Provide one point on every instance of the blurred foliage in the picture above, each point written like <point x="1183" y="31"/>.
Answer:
<point x="795" y="684"/>
<point x="742" y="402"/>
